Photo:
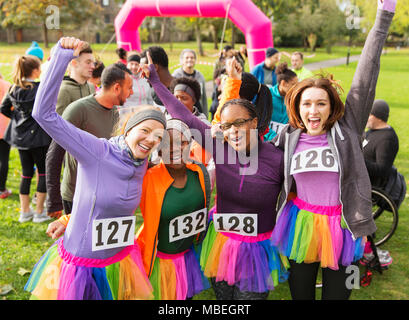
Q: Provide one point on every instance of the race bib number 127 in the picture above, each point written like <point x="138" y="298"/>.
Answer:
<point x="113" y="233"/>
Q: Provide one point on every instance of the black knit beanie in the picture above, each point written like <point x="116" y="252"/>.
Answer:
<point x="380" y="109"/>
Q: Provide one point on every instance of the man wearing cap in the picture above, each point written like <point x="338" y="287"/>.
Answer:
<point x="265" y="71"/>
<point x="381" y="144"/>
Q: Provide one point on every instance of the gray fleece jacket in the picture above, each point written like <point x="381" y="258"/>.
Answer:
<point x="345" y="137"/>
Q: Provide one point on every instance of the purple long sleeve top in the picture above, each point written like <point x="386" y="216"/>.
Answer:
<point x="237" y="190"/>
<point x="109" y="185"/>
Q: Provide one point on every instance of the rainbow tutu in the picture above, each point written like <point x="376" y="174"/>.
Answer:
<point x="59" y="275"/>
<point x="177" y="276"/>
<point x="250" y="263"/>
<point x="312" y="233"/>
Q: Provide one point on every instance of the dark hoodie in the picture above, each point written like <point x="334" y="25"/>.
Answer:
<point x="71" y="91"/>
<point x="23" y="131"/>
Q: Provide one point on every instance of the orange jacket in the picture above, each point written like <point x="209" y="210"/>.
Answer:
<point x="155" y="184"/>
<point x="4" y="121"/>
<point x="230" y="91"/>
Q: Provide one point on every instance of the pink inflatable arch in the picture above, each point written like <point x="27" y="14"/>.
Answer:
<point x="243" y="13"/>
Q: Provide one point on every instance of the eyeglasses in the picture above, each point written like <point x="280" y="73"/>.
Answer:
<point x="238" y="123"/>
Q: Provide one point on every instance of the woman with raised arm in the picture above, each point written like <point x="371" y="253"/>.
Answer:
<point x="236" y="253"/>
<point x="326" y="223"/>
<point x="97" y="257"/>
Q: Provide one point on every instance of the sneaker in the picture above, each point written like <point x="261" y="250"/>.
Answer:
<point x="41" y="217"/>
<point x="25" y="216"/>
<point x="4" y="194"/>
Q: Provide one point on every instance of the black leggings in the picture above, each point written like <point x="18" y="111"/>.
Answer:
<point x="4" y="163"/>
<point x="28" y="159"/>
<point x="224" y="291"/>
<point x="303" y="277"/>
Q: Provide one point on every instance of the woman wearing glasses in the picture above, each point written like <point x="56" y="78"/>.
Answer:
<point x="236" y="253"/>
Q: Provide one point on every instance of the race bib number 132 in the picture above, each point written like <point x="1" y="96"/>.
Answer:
<point x="113" y="233"/>
<point x="187" y="225"/>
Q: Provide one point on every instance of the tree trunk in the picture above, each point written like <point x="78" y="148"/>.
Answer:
<point x="10" y="35"/>
<point x="214" y="35"/>
<point x="163" y="29"/>
<point x="198" y="38"/>
<point x="45" y="35"/>
<point x="233" y="35"/>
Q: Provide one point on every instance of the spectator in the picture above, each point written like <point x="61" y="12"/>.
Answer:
<point x="4" y="146"/>
<point x="297" y="63"/>
<point x="161" y="61"/>
<point x="188" y="61"/>
<point x="96" y="75"/>
<point x="265" y="71"/>
<point x="25" y="134"/>
<point x="36" y="51"/>
<point x="381" y="144"/>
<point x="122" y="54"/>
<point x="141" y="90"/>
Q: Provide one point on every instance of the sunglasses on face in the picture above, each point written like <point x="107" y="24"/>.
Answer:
<point x="238" y="123"/>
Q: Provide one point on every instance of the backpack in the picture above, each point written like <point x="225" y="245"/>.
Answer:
<point x="396" y="187"/>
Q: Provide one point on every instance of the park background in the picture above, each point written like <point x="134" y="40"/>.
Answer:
<point x="315" y="27"/>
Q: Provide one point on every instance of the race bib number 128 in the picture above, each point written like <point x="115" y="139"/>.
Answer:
<point x="113" y="233"/>
<point x="244" y="224"/>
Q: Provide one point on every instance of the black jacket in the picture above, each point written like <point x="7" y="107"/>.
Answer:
<point x="23" y="131"/>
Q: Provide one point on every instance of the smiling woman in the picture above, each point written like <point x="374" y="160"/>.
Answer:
<point x="98" y="244"/>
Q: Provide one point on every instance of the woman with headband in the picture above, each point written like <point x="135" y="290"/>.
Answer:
<point x="237" y="254"/>
<point x="175" y="219"/>
<point x="97" y="258"/>
<point x="326" y="223"/>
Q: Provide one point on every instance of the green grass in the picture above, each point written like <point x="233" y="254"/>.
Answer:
<point x="21" y="245"/>
<point x="8" y="53"/>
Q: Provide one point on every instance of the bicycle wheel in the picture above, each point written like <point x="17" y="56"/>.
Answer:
<point x="386" y="216"/>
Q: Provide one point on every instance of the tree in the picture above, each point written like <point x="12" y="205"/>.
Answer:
<point x="26" y="13"/>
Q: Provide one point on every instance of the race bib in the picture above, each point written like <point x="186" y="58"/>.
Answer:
<point x="113" y="233"/>
<point x="317" y="159"/>
<point x="277" y="126"/>
<point x="187" y="225"/>
<point x="244" y="224"/>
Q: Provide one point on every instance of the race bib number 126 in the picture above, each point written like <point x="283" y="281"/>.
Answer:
<point x="317" y="159"/>
<point x="113" y="233"/>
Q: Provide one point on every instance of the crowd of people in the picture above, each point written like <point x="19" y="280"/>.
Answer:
<point x="280" y="145"/>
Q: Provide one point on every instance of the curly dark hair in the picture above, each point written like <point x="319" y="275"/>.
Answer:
<point x="191" y="83"/>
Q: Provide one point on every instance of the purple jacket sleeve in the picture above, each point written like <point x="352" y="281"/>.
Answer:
<point x="85" y="147"/>
<point x="178" y="110"/>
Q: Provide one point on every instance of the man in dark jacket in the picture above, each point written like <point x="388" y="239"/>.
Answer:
<point x="381" y="144"/>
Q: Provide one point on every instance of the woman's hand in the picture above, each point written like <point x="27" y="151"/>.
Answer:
<point x="72" y="43"/>
<point x="55" y="229"/>
<point x="388" y="5"/>
<point x="143" y="69"/>
<point x="233" y="68"/>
